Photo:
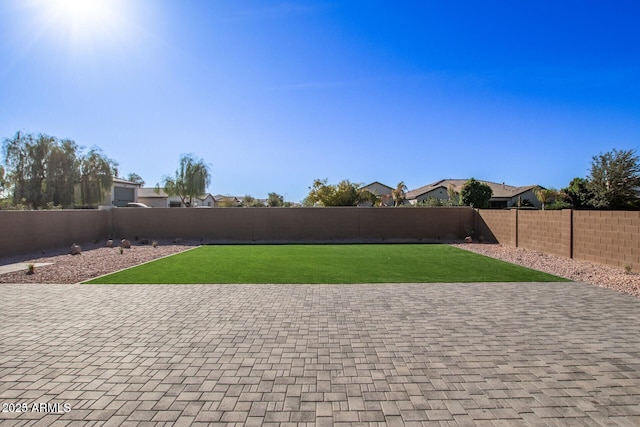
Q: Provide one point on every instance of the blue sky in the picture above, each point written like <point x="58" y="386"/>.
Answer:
<point x="273" y="94"/>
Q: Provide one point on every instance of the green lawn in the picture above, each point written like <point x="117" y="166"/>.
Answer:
<point x="406" y="263"/>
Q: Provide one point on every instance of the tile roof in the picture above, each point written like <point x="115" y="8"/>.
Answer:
<point x="499" y="190"/>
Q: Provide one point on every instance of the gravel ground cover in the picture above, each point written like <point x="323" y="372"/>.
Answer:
<point x="596" y="274"/>
<point x="96" y="260"/>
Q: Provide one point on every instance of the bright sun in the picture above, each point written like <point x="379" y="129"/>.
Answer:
<point x="81" y="10"/>
<point x="83" y="22"/>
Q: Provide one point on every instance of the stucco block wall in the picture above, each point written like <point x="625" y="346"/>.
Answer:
<point x="545" y="231"/>
<point x="611" y="238"/>
<point x="28" y="231"/>
<point x="294" y="224"/>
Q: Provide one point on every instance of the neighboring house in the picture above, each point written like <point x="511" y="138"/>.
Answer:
<point x="379" y="189"/>
<point x="122" y="192"/>
<point x="262" y="202"/>
<point x="158" y="198"/>
<point x="204" y="201"/>
<point x="226" y="201"/>
<point x="504" y="196"/>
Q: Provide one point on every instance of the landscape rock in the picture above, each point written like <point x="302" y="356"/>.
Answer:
<point x="468" y="239"/>
<point x="75" y="249"/>
<point x="110" y="243"/>
<point x="125" y="244"/>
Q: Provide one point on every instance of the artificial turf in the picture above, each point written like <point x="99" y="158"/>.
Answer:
<point x="398" y="263"/>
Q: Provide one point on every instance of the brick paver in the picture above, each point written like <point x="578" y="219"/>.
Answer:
<point x="414" y="354"/>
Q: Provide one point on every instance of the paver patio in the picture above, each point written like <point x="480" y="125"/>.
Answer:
<point x="414" y="354"/>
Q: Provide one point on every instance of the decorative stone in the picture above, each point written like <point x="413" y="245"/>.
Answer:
<point x="125" y="244"/>
<point x="110" y="243"/>
<point x="75" y="249"/>
<point x="468" y="239"/>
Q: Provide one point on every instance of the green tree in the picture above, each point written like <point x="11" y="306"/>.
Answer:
<point x="369" y="196"/>
<point x="345" y="193"/>
<point x="546" y="195"/>
<point x="251" y="202"/>
<point x="307" y="202"/>
<point x="454" y="197"/>
<point x="614" y="180"/>
<point x="475" y="194"/>
<point x="96" y="176"/>
<point x="399" y="194"/>
<point x="15" y="158"/>
<point x="45" y="171"/>
<point x="275" y="200"/>
<point x="134" y="177"/>
<point x="432" y="202"/>
<point x="191" y="179"/>
<point x="2" y="182"/>
<point x="62" y="173"/>
<point x="26" y="157"/>
<point x="38" y="154"/>
<point x="578" y="194"/>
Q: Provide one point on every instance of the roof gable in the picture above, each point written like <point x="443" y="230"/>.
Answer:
<point x="377" y="183"/>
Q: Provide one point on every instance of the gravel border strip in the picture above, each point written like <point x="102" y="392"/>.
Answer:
<point x="95" y="260"/>
<point x="601" y="275"/>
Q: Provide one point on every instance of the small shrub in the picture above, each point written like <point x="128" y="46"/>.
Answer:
<point x="154" y="243"/>
<point x="31" y="269"/>
<point x="627" y="269"/>
<point x="432" y="202"/>
<point x="53" y="206"/>
<point x="121" y="250"/>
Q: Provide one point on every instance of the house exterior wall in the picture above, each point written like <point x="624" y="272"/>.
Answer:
<point x="110" y="198"/>
<point x="527" y="195"/>
<point x="154" y="202"/>
<point x="207" y="201"/>
<point x="377" y="188"/>
<point x="438" y="193"/>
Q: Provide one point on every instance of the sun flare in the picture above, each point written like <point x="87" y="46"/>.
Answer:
<point x="85" y="22"/>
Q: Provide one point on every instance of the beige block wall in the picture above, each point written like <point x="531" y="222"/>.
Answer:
<point x="545" y="231"/>
<point x="497" y="226"/>
<point x="607" y="237"/>
<point x="603" y="237"/>
<point x="23" y="232"/>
